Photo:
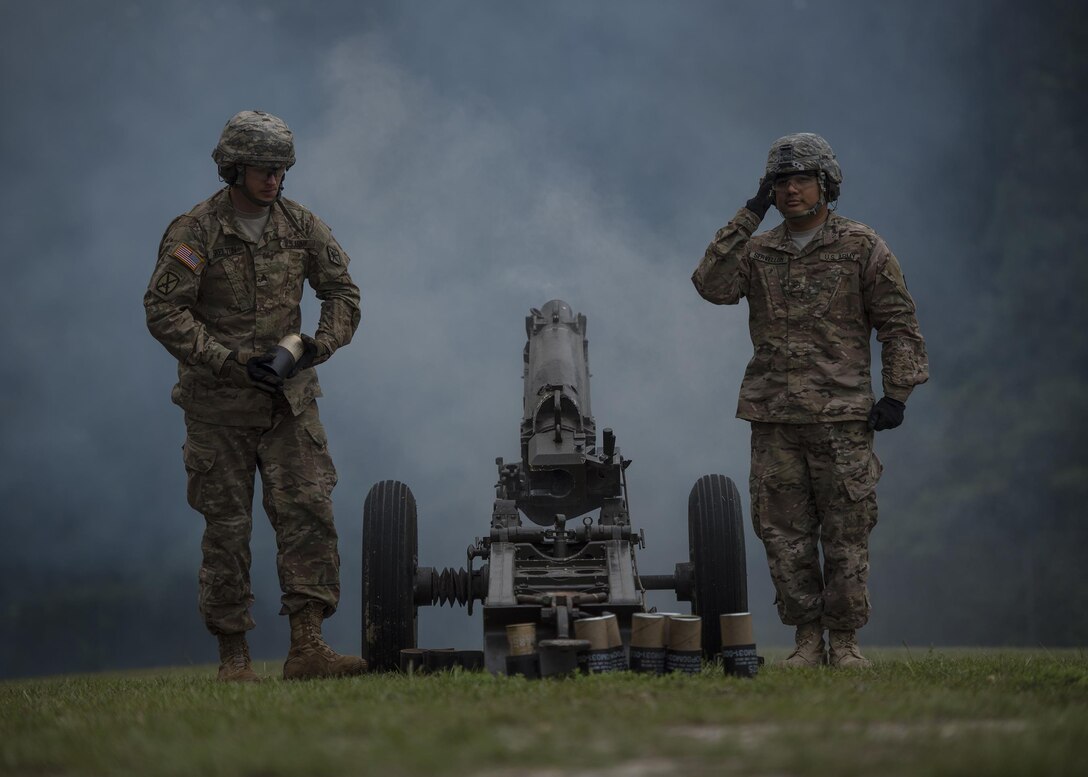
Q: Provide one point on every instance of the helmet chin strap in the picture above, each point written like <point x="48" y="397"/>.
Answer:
<point x="815" y="208"/>
<point x="810" y="212"/>
<point x="249" y="196"/>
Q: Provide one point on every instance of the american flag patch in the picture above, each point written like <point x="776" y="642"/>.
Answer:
<point x="188" y="257"/>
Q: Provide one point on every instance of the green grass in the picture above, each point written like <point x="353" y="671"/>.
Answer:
<point x="977" y="712"/>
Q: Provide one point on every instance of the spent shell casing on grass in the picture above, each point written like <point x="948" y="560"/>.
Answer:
<point x="521" y="638"/>
<point x="647" y="653"/>
<point x="738" y="645"/>
<point x="684" y="652"/>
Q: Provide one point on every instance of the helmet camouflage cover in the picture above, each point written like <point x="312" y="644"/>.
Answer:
<point x="804" y="151"/>
<point x="255" y="138"/>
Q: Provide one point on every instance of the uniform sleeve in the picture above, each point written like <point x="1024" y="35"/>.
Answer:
<point x="172" y="293"/>
<point x="722" y="276"/>
<point x="328" y="276"/>
<point x="904" y="362"/>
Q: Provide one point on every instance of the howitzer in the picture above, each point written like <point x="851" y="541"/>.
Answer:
<point x="564" y="564"/>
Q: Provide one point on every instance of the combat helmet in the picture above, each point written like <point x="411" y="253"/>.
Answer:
<point x="806" y="152"/>
<point x="253" y="138"/>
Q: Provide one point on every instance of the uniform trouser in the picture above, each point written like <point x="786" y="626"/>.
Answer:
<point x="813" y="485"/>
<point x="297" y="477"/>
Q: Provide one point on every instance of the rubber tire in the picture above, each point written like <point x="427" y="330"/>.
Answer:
<point x="390" y="555"/>
<point x="716" y="545"/>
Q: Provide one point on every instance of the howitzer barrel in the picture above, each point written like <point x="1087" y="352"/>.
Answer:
<point x="561" y="470"/>
<point x="557" y="405"/>
<point x="556" y="356"/>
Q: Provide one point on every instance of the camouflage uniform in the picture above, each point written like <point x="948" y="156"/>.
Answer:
<point x="807" y="391"/>
<point x="213" y="292"/>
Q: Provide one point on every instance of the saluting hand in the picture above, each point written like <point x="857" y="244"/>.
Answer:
<point x="761" y="203"/>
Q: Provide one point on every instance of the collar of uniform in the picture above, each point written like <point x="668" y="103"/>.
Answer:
<point x="833" y="229"/>
<point x="224" y="211"/>
<point x="278" y="226"/>
<point x="828" y="233"/>
<point x="779" y="238"/>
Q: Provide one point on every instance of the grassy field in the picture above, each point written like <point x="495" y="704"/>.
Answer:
<point x="976" y="712"/>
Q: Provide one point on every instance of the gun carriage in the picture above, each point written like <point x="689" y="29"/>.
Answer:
<point x="561" y="544"/>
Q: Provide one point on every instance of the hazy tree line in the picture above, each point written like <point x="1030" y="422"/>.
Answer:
<point x="995" y="534"/>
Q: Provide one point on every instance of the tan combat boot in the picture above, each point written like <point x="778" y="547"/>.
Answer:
<point x="810" y="646"/>
<point x="235" y="665"/>
<point x="845" y="652"/>
<point x="309" y="656"/>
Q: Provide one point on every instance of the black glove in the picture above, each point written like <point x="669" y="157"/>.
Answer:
<point x="761" y="203"/>
<point x="261" y="376"/>
<point x="233" y="371"/>
<point x="886" y="414"/>
<point x="309" y="353"/>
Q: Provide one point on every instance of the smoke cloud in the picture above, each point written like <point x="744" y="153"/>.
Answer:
<point x="475" y="159"/>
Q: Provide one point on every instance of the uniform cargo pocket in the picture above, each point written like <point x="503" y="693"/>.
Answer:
<point x="844" y="303"/>
<point x="826" y="296"/>
<point x="198" y="458"/>
<point x="758" y="504"/>
<point x="317" y="434"/>
<point x="758" y="485"/>
<point x="294" y="271"/>
<point x="861" y="483"/>
<point x="198" y="463"/>
<point x="767" y="288"/>
<point x="323" y="470"/>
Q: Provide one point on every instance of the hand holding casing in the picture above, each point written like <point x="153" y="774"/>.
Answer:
<point x="260" y="374"/>
<point x="233" y="371"/>
<point x="309" y="353"/>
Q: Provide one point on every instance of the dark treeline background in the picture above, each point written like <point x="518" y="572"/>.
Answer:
<point x="995" y="540"/>
<point x="983" y="532"/>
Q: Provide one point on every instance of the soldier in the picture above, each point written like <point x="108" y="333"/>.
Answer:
<point x="225" y="290"/>
<point x="816" y="285"/>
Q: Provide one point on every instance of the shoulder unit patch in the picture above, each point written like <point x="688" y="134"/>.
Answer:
<point x="166" y="283"/>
